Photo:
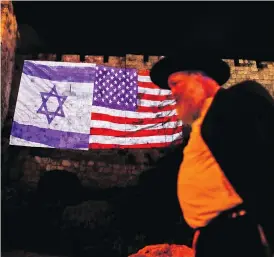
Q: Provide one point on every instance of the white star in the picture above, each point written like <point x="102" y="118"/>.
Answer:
<point x="131" y="77"/>
<point x="104" y="83"/>
<point x="110" y="101"/>
<point x="115" y="82"/>
<point x="96" y="90"/>
<point x="134" y="104"/>
<point x="103" y="91"/>
<point x="104" y="76"/>
<point x="122" y="99"/>
<point x="116" y="74"/>
<point x="99" y="95"/>
<point x="126" y="103"/>
<point x="127" y="73"/>
<point x="111" y="85"/>
<point x="114" y="89"/>
<point x="100" y="72"/>
<point x="106" y="96"/>
<point x="107" y="88"/>
<point x="127" y="80"/>
<point x="118" y="102"/>
<point x="103" y="100"/>
<point x="96" y="67"/>
<point x="120" y="71"/>
<point x="111" y="93"/>
<point x="131" y="83"/>
<point x="119" y="78"/>
<point x="130" y="99"/>
<point x="108" y="73"/>
<point x="107" y="80"/>
<point x="114" y="97"/>
<point x="105" y="69"/>
<point x="112" y="77"/>
<point x="126" y="95"/>
<point x="123" y="91"/>
<point x="95" y="98"/>
<point x="123" y="83"/>
<point x="134" y="96"/>
<point x="127" y="87"/>
<point x="100" y="79"/>
<point x="130" y="92"/>
<point x="119" y="86"/>
<point x="96" y="82"/>
<point x="124" y="76"/>
<point x="112" y="70"/>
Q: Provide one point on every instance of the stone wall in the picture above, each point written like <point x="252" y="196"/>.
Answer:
<point x="241" y="70"/>
<point x="103" y="168"/>
<point x="8" y="45"/>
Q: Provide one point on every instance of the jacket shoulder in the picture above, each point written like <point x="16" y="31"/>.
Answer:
<point x="251" y="90"/>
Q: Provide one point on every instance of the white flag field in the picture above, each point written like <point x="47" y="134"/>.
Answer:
<point x="84" y="106"/>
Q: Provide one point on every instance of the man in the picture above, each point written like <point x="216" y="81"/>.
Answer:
<point x="224" y="183"/>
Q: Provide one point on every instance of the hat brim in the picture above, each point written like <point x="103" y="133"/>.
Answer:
<point x="213" y="67"/>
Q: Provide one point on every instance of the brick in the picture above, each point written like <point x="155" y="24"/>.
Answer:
<point x="66" y="163"/>
<point x="267" y="81"/>
<point x="151" y="61"/>
<point x="90" y="163"/>
<point x="47" y="57"/>
<point x="76" y="164"/>
<point x="98" y="59"/>
<point x="115" y="61"/>
<point x="135" y="61"/>
<point x="255" y="76"/>
<point x="135" y="58"/>
<point x="38" y="159"/>
<point x="234" y="75"/>
<point x="70" y="58"/>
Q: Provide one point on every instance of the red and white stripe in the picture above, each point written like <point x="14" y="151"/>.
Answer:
<point x="153" y="124"/>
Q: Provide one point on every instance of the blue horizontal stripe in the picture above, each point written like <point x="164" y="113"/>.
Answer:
<point x="60" y="73"/>
<point x="50" y="137"/>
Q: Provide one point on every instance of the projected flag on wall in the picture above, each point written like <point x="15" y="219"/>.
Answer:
<point x="87" y="106"/>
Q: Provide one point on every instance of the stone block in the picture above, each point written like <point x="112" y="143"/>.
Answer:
<point x="70" y="58"/>
<point x="98" y="59"/>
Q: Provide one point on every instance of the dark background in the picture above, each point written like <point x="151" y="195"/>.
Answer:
<point x="235" y="29"/>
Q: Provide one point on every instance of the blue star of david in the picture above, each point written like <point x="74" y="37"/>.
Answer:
<point x="44" y="109"/>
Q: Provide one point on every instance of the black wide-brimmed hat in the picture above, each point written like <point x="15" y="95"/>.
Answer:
<point x="209" y="64"/>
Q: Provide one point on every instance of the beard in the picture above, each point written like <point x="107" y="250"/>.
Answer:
<point x="187" y="113"/>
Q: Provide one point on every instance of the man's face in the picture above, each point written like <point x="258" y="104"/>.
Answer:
<point x="189" y="94"/>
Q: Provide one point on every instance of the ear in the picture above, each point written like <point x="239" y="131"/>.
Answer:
<point x="210" y="86"/>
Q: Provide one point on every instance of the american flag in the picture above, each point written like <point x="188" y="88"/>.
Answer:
<point x="129" y="111"/>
